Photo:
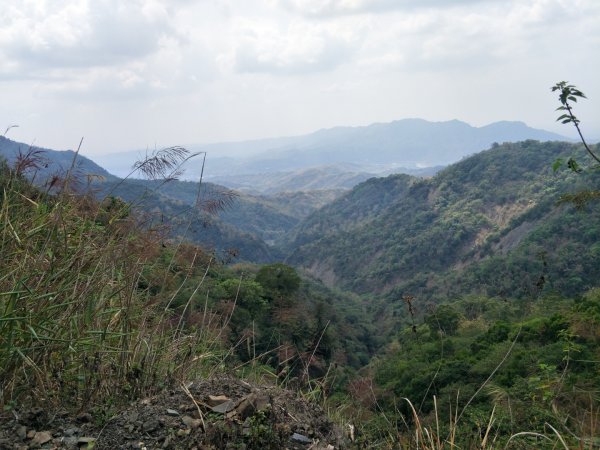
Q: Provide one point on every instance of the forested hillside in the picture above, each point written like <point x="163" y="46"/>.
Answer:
<point x="472" y="291"/>
<point x="248" y="226"/>
<point x="311" y="179"/>
<point x="489" y="224"/>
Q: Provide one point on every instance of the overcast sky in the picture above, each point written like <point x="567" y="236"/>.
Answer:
<point x="131" y="74"/>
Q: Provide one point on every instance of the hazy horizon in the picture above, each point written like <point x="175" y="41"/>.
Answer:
<point x="567" y="134"/>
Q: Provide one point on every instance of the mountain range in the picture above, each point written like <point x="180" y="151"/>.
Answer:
<point x="348" y="153"/>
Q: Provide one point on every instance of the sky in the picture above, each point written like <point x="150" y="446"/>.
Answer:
<point x="137" y="74"/>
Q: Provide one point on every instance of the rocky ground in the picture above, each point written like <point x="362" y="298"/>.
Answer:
<point x="221" y="413"/>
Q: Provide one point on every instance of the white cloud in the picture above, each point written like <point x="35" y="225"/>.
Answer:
<point x="205" y="70"/>
<point x="294" y="48"/>
<point x="331" y="8"/>
<point x="47" y="34"/>
<point x="100" y="49"/>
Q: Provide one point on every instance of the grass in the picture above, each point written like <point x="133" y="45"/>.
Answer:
<point x="371" y="429"/>
<point x="78" y="318"/>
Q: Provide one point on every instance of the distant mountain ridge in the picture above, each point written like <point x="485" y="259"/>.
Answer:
<point x="339" y="176"/>
<point x="409" y="143"/>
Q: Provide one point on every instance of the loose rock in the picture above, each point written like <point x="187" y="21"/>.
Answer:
<point x="152" y="423"/>
<point x="190" y="422"/>
<point x="300" y="438"/>
<point x="214" y="400"/>
<point x="41" y="437"/>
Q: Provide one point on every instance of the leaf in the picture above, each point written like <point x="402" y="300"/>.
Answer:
<point x="559" y="162"/>
<point x="572" y="164"/>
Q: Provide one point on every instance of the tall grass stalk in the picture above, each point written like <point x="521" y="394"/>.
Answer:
<point x="76" y="320"/>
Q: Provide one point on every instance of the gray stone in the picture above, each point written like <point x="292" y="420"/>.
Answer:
<point x="69" y="442"/>
<point x="214" y="400"/>
<point x="41" y="437"/>
<point x="71" y="431"/>
<point x="224" y="407"/>
<point x="150" y="425"/>
<point x="300" y="438"/>
<point x="167" y="442"/>
<point x="172" y="412"/>
<point x="190" y="422"/>
<point x="22" y="432"/>
<point x="251" y="404"/>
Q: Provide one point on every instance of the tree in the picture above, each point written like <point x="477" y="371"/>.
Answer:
<point x="445" y="318"/>
<point x="279" y="279"/>
<point x="248" y="294"/>
<point x="567" y="95"/>
<point x="568" y="92"/>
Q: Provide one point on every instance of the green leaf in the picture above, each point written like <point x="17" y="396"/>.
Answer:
<point x="557" y="164"/>
<point x="572" y="164"/>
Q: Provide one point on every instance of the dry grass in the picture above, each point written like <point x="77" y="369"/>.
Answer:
<point x="78" y="320"/>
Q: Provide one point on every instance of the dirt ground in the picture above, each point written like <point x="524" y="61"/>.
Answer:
<point x="220" y="413"/>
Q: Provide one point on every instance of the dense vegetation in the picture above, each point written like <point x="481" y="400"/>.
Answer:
<point x="247" y="228"/>
<point x="335" y="177"/>
<point x="522" y="364"/>
<point x="489" y="224"/>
